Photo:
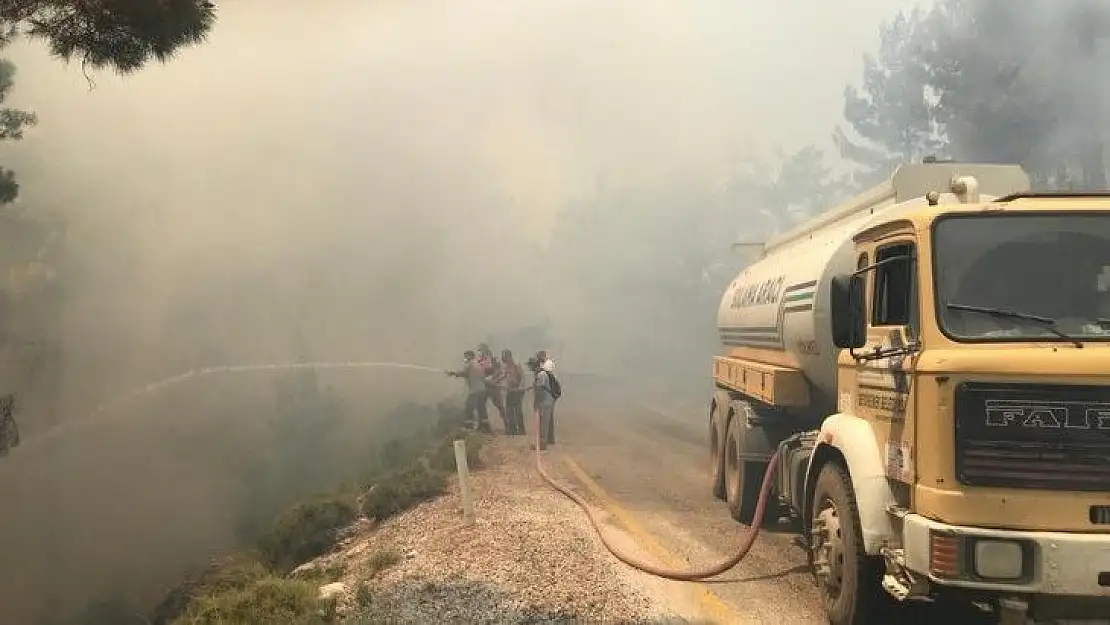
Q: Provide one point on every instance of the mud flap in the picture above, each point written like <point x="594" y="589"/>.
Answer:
<point x="756" y="445"/>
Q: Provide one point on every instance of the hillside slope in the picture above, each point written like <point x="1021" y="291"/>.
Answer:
<point x="530" y="557"/>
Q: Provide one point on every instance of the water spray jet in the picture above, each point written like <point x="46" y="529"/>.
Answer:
<point x="167" y="382"/>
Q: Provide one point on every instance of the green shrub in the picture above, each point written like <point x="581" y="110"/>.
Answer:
<point x="247" y="589"/>
<point x="267" y="600"/>
<point x="382" y="501"/>
<point x="321" y="575"/>
<point x="442" y="458"/>
<point x="233" y="573"/>
<point x="402" y="490"/>
<point x="381" y="560"/>
<point x="364" y="597"/>
<point x="307" y="530"/>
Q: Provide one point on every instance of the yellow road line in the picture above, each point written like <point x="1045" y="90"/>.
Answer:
<point x="710" y="603"/>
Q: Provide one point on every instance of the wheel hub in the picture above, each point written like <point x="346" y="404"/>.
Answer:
<point x="828" y="548"/>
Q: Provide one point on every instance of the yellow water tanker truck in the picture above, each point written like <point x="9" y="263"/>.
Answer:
<point x="931" y="363"/>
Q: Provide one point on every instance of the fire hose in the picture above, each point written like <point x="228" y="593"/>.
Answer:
<point x="682" y="576"/>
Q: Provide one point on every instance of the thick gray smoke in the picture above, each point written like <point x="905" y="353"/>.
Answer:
<point x="1017" y="82"/>
<point x="364" y="181"/>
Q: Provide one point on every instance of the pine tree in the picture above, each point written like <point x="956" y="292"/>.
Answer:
<point x="891" y="117"/>
<point x="120" y="34"/>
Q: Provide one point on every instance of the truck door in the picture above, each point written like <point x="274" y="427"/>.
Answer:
<point x="885" y="385"/>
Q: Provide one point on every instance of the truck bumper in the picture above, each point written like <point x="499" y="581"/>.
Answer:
<point x="1051" y="563"/>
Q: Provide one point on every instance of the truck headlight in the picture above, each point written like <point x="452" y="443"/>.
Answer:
<point x="999" y="559"/>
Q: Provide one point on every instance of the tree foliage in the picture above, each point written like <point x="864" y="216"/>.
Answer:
<point x="1018" y="81"/>
<point x="12" y="124"/>
<point x="891" y="118"/>
<point x="797" y="186"/>
<point x="120" y="34"/>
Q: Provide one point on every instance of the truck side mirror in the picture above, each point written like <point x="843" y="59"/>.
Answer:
<point x="849" y="327"/>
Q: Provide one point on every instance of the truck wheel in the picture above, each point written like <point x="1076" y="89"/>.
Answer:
<point x="743" y="480"/>
<point x="848" y="578"/>
<point x="716" y="453"/>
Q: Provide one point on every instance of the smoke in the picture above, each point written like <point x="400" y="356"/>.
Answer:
<point x="361" y="181"/>
<point x="1025" y="82"/>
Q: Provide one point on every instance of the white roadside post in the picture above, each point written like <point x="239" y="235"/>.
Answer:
<point x="464" y="482"/>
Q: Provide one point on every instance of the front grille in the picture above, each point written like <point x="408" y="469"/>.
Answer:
<point x="1100" y="515"/>
<point x="1052" y="437"/>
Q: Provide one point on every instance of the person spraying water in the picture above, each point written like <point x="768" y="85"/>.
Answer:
<point x="476" y="391"/>
<point x="492" y="368"/>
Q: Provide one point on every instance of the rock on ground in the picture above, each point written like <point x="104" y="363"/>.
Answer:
<point x="530" y="557"/>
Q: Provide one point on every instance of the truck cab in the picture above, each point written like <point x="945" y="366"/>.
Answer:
<point x="966" y="453"/>
<point x="977" y="346"/>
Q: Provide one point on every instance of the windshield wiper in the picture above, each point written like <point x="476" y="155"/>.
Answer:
<point x="1048" y="323"/>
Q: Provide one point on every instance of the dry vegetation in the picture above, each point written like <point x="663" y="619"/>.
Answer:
<point x="263" y="584"/>
<point x="529" y="557"/>
<point x="393" y="550"/>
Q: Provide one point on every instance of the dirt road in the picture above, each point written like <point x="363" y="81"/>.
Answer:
<point x="646" y="466"/>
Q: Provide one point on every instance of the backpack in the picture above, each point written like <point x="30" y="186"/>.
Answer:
<point x="556" y="388"/>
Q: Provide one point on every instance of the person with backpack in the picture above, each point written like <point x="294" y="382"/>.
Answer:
<point x="546" y="390"/>
<point x="555" y="389"/>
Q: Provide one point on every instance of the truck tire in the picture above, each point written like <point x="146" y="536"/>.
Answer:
<point x="848" y="579"/>
<point x="716" y="453"/>
<point x="743" y="479"/>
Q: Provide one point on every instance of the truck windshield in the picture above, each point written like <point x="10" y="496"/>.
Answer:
<point x="1022" y="277"/>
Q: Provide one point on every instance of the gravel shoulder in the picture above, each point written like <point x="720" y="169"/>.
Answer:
<point x="530" y="557"/>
